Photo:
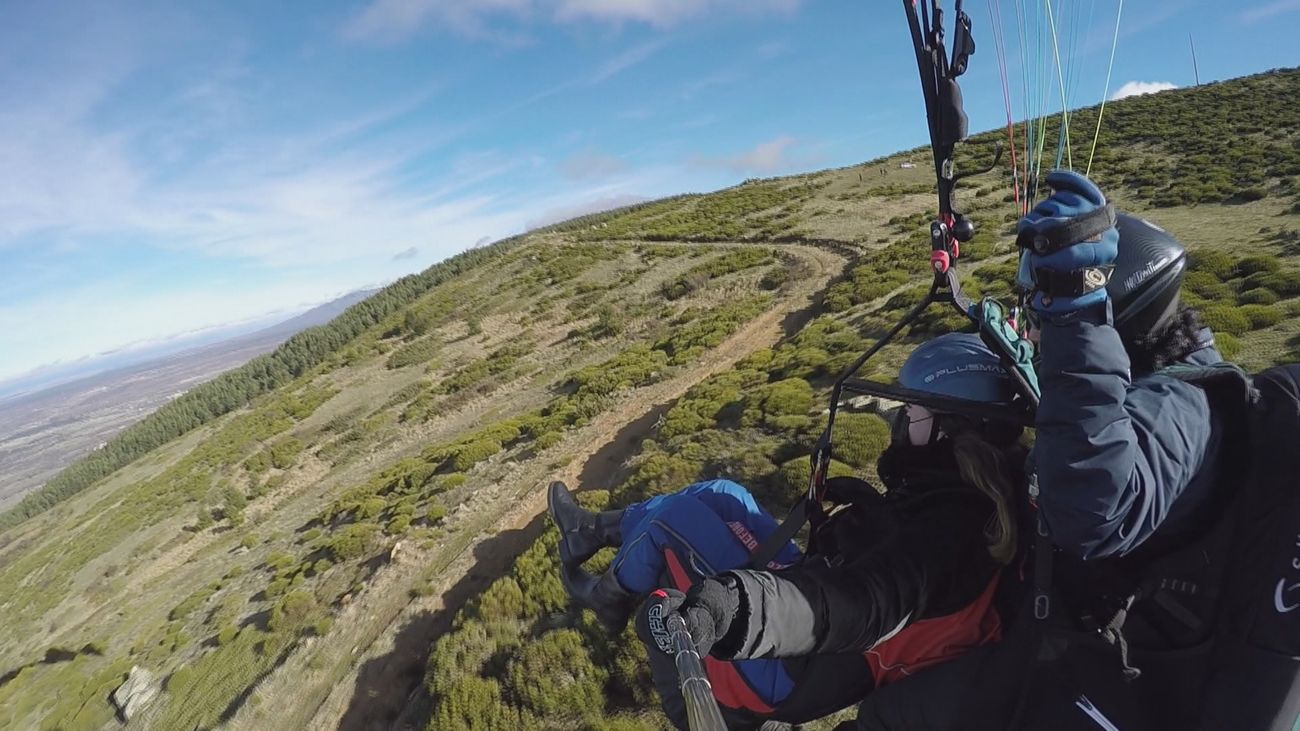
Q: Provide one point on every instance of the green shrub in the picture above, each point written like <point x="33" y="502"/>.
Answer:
<point x="1207" y="285"/>
<point x="473" y="453"/>
<point x="548" y="440"/>
<point x="1257" y="264"/>
<point x="1262" y="316"/>
<point x="226" y="634"/>
<point x="417" y="353"/>
<point x="1257" y="296"/>
<point x="290" y="614"/>
<point x="397" y="526"/>
<point x="556" y="677"/>
<point x="773" y="405"/>
<point x="858" y="439"/>
<point x="793" y="475"/>
<point x="1226" y="319"/>
<point x="452" y="481"/>
<point x="248" y="540"/>
<point x="1229" y="345"/>
<point x="352" y="541"/>
<point x="1213" y="262"/>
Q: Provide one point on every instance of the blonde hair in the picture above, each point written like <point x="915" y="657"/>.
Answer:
<point x="994" y="471"/>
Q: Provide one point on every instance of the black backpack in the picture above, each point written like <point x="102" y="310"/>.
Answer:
<point x="1254" y="679"/>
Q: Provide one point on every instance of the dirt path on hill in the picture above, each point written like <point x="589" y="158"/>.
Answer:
<point x="379" y="647"/>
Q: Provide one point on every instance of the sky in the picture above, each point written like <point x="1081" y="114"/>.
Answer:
<point x="171" y="167"/>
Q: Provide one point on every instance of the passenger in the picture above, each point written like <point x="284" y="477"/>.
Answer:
<point x="1128" y="477"/>
<point x="900" y="581"/>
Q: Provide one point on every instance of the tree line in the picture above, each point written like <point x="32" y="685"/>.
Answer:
<point x="236" y="388"/>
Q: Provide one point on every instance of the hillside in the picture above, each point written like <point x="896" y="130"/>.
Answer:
<point x="45" y="429"/>
<point x="375" y="487"/>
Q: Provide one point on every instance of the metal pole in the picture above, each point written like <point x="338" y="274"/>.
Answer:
<point x="1195" y="69"/>
<point x="702" y="713"/>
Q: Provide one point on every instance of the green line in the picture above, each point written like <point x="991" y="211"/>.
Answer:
<point x="1106" y="94"/>
<point x="1065" y="110"/>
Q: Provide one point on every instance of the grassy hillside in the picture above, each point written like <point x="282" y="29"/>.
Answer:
<point x="289" y="558"/>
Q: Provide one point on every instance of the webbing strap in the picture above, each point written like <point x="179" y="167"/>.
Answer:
<point x="1078" y="229"/>
<point x="784" y="533"/>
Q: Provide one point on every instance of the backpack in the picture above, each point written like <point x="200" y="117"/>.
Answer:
<point x="1254" y="677"/>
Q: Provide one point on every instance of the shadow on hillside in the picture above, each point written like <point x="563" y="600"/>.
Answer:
<point x="389" y="690"/>
<point x="53" y="656"/>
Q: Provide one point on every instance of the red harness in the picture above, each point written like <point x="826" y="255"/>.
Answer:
<point x="938" y="639"/>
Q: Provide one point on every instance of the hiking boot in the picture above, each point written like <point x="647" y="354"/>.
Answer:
<point x="582" y="532"/>
<point x="602" y="594"/>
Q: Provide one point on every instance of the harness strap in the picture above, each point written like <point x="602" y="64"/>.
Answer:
<point x="784" y="533"/>
<point x="1081" y="228"/>
<point x="1113" y="634"/>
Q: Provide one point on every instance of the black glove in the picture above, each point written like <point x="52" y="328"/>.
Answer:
<point x="709" y="609"/>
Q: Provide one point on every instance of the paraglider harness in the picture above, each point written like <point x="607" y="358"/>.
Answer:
<point x="948" y="231"/>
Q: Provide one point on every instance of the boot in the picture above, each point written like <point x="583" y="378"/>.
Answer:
<point x="582" y="532"/>
<point x="602" y="594"/>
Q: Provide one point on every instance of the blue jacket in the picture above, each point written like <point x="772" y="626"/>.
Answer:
<point x="1119" y="459"/>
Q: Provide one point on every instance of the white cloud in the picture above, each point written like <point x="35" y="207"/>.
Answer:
<point x="765" y="157"/>
<point x="1137" y="88"/>
<point x="597" y="205"/>
<point x="396" y="20"/>
<point x="592" y="164"/>
<point x="1268" y="10"/>
<point x="664" y="13"/>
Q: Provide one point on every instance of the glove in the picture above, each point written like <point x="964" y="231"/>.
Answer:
<point x="709" y="609"/>
<point x="1070" y="244"/>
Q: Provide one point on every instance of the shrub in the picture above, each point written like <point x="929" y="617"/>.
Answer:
<point x="1206" y="285"/>
<point x="548" y="440"/>
<point x="1229" y="346"/>
<point x="416" y="353"/>
<point x="1225" y="319"/>
<point x="1213" y="262"/>
<point x="1256" y="264"/>
<point x="1262" y="316"/>
<point x="556" y="677"/>
<point x="473" y="453"/>
<point x="793" y="475"/>
<point x="397" y="526"/>
<point x="291" y="613"/>
<point x="352" y="541"/>
<point x="226" y="634"/>
<point x="859" y="439"/>
<point x="248" y="540"/>
<point x="774" y="404"/>
<point x="1257" y="296"/>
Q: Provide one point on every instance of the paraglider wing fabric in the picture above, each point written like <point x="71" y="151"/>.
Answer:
<point x="1117" y="459"/>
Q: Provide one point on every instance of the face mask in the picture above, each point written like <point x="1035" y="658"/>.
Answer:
<point x="903" y="466"/>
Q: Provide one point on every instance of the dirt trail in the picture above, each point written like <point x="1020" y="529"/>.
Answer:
<point x="380" y="643"/>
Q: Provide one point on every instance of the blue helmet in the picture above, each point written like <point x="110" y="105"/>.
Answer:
<point x="958" y="365"/>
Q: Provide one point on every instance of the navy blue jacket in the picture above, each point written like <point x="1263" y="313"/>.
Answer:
<point x="1119" y="459"/>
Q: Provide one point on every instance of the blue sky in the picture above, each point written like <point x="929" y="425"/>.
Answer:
<point x="171" y="167"/>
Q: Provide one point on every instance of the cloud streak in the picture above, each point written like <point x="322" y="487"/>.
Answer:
<point x="390" y="21"/>
<point x="765" y="157"/>
<point x="1258" y="13"/>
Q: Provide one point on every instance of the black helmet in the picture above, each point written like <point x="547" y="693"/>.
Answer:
<point x="1148" y="274"/>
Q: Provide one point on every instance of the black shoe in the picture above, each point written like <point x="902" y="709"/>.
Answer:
<point x="582" y="532"/>
<point x="602" y="594"/>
